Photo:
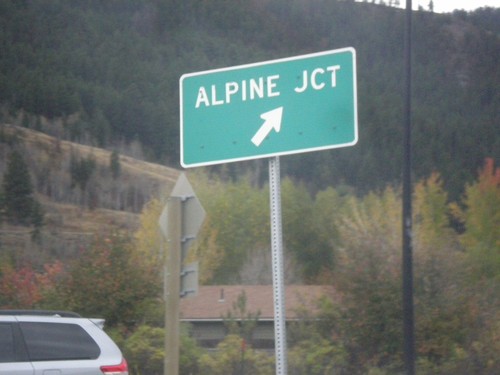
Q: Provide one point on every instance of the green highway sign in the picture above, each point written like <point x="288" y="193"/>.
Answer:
<point x="278" y="107"/>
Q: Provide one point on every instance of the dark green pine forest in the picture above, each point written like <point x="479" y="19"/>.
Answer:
<point x="110" y="71"/>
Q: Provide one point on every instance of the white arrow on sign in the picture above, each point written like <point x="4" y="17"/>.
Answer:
<point x="272" y="120"/>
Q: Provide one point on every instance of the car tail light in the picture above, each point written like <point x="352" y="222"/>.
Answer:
<point x="121" y="369"/>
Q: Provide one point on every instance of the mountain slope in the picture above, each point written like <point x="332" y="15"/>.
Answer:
<point x="111" y="70"/>
<point x="73" y="216"/>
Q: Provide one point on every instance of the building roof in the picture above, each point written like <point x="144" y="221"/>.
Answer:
<point x="215" y="302"/>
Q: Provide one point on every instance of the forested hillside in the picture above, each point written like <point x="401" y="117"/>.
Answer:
<point x="110" y="70"/>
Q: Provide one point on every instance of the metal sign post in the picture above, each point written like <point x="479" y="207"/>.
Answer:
<point x="277" y="266"/>
<point x="179" y="222"/>
<point x="173" y="266"/>
<point x="408" y="308"/>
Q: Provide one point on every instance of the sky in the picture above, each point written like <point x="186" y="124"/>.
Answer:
<point x="448" y="6"/>
<point x="445" y="6"/>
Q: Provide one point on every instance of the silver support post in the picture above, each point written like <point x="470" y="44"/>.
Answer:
<point x="277" y="266"/>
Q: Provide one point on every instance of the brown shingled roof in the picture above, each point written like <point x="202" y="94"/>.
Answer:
<point x="214" y="302"/>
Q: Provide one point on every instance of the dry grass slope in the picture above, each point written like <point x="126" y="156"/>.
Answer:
<point x="70" y="220"/>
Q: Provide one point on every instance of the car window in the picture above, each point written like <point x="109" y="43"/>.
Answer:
<point x="58" y="341"/>
<point x="7" y="353"/>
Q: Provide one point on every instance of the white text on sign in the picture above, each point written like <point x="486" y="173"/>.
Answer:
<point x="264" y="87"/>
<point x="315" y="83"/>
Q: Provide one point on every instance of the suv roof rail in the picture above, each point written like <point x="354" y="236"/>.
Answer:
<point x="62" y="314"/>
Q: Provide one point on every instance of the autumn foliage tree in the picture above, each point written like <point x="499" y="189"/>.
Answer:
<point x="26" y="288"/>
<point x="18" y="287"/>
<point x="148" y="241"/>
<point x="105" y="281"/>
<point x="481" y="240"/>
<point x="368" y="276"/>
<point x="234" y="357"/>
<point x="481" y="218"/>
<point x="441" y="293"/>
<point x="235" y="227"/>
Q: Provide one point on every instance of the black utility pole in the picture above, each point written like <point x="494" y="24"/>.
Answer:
<point x="408" y="315"/>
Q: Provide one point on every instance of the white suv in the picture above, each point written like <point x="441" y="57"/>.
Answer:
<point x="56" y="343"/>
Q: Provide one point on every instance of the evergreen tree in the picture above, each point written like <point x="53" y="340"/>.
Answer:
<point x="81" y="171"/>
<point x="17" y="191"/>
<point x="2" y="206"/>
<point x="114" y="164"/>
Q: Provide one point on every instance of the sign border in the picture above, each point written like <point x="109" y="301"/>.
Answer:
<point x="262" y="63"/>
